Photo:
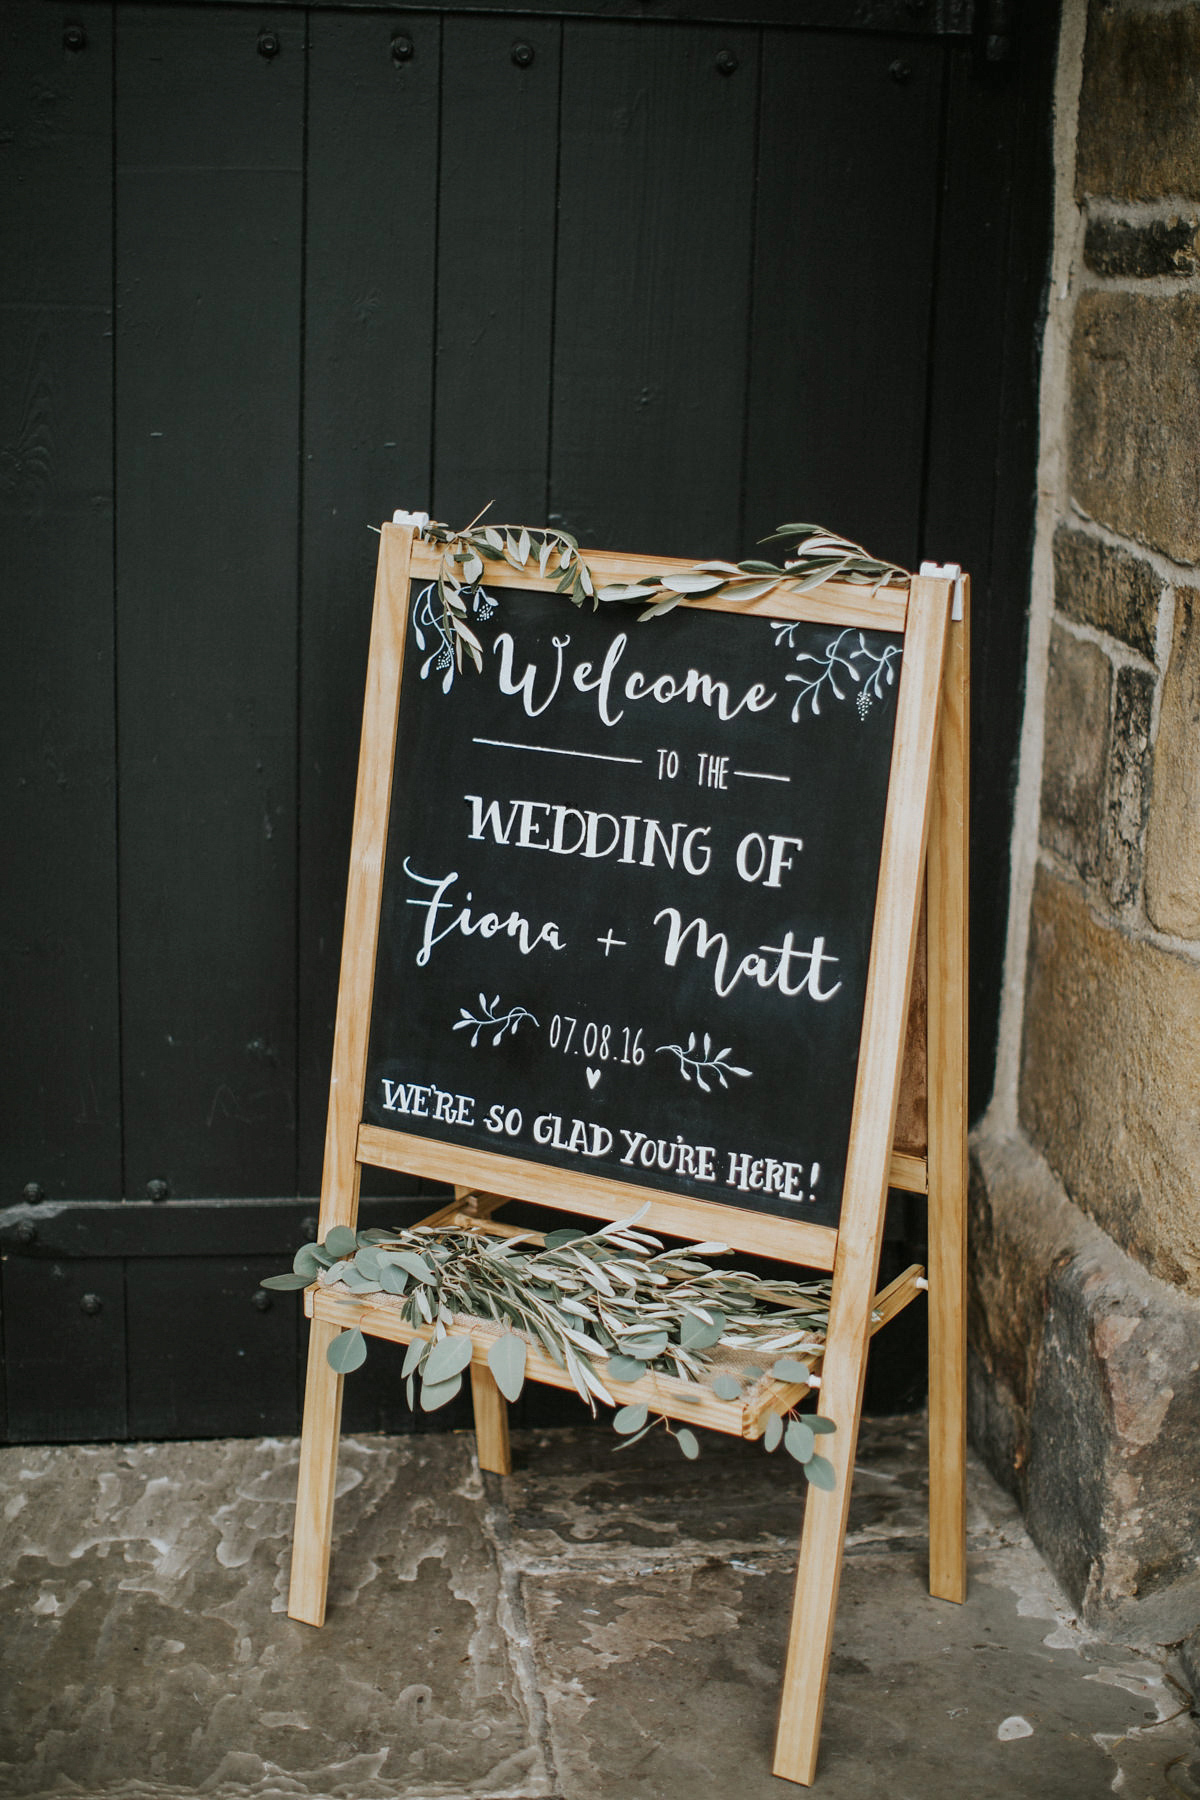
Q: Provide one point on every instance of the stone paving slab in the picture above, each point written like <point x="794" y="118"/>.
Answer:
<point x="593" y="1627"/>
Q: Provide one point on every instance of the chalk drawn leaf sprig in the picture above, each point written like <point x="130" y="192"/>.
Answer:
<point x="441" y="623"/>
<point x="857" y="665"/>
<point x="698" y="1060"/>
<point x="491" y="1019"/>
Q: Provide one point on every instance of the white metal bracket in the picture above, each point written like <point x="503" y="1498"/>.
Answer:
<point x="418" y="521"/>
<point x="949" y="572"/>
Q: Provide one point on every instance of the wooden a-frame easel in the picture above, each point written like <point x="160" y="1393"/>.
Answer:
<point x="924" y="859"/>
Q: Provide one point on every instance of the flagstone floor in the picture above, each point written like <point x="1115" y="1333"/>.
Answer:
<point x="594" y="1627"/>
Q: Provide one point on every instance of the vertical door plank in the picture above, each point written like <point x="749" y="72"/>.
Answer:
<point x="655" y="208"/>
<point x="60" y="1061"/>
<point x="842" y="287"/>
<point x="496" y="237"/>
<point x="209" y="142"/>
<point x="370" y="230"/>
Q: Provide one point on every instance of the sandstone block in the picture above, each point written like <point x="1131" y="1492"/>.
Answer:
<point x="1127" y="798"/>
<point x="1075" y="763"/>
<point x="1118" y="247"/>
<point x="1139" y="104"/>
<point x="1173" y="835"/>
<point x="1134" y="443"/>
<point x="1110" y="1079"/>
<point x="1101" y="585"/>
<point x="1087" y="1370"/>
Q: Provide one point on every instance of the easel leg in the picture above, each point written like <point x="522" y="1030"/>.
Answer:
<point x="818" y="1578"/>
<point x="491" y="1422"/>
<point x="946" y="887"/>
<point x="318" y="1474"/>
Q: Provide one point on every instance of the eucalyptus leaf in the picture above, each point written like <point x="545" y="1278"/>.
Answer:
<point x="392" y="1278"/>
<point x="341" y="1241"/>
<point x="569" y="1234"/>
<point x="624" y="1368"/>
<point x="347" y="1352"/>
<point x="367" y="1263"/>
<point x="818" y="1424"/>
<point x="786" y="1368"/>
<point x="305" y="1263"/>
<point x="637" y="1437"/>
<point x="798" y="1440"/>
<point x="821" y="1473"/>
<point x="437" y="1393"/>
<point x="284" y="1283"/>
<point x="688" y="1443"/>
<point x="726" y="1387"/>
<point x="447" y="1358"/>
<point x="413" y="1355"/>
<point x="416" y="1265"/>
<point x="773" y="1431"/>
<point x="630" y="1418"/>
<point x="506" y="1360"/>
<point x="645" y="1348"/>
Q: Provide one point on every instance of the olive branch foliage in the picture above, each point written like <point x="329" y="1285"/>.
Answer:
<point x="611" y="1303"/>
<point x="817" y="556"/>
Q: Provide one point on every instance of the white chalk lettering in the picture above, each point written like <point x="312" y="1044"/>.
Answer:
<point x="770" y="965"/>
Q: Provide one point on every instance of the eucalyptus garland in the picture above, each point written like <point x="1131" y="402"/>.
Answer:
<point x="613" y="1302"/>
<point x="817" y="556"/>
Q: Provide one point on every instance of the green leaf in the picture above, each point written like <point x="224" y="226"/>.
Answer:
<point x="347" y="1352"/>
<point x="410" y="1392"/>
<point x="284" y="1283"/>
<point x="798" y="1440"/>
<point x="645" y="1348"/>
<point x="692" y="584"/>
<point x="816" y="1423"/>
<point x="696" y="1335"/>
<point x="773" y="1432"/>
<point x="447" y="1359"/>
<point x="635" y="1439"/>
<point x="688" y="1443"/>
<point x="569" y="1233"/>
<point x="367" y="1263"/>
<point x="341" y="1241"/>
<point x="630" y="1418"/>
<point x="725" y="1387"/>
<point x="821" y="1473"/>
<point x="374" y="1235"/>
<point x="359" y="1284"/>
<point x="752" y="1372"/>
<point x="392" y="1279"/>
<point x="786" y="1368"/>
<point x="437" y="1393"/>
<point x="506" y="1360"/>
<point x="305" y="1263"/>
<point x="624" y="1368"/>
<point x="413" y="1355"/>
<point x="416" y="1265"/>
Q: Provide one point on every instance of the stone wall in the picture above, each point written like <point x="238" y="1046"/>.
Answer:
<point x="1086" y="1325"/>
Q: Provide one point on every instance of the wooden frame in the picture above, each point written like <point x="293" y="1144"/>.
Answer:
<point x="926" y="805"/>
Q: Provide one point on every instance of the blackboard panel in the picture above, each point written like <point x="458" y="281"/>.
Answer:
<point x="628" y="896"/>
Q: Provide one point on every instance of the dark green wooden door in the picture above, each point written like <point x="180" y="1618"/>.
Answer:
<point x="269" y="273"/>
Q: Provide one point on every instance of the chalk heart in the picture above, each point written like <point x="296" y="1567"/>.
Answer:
<point x="593" y="1076"/>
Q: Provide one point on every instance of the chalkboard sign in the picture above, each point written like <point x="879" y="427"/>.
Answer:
<point x="631" y="919"/>
<point x="629" y="891"/>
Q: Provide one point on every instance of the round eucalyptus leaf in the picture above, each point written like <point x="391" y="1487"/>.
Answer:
<point x="624" y="1368"/>
<point x="347" y="1352"/>
<point x="630" y="1418"/>
<point x="819" y="1425"/>
<point x="437" y="1393"/>
<point x="798" y="1440"/>
<point x="727" y="1387"/>
<point x="786" y="1368"/>
<point x="446" y="1360"/>
<point x="282" y="1283"/>
<point x="821" y="1473"/>
<point x="341" y="1241"/>
<point x="392" y="1280"/>
<point x="688" y="1443"/>
<point x="773" y="1431"/>
<point x="305" y="1263"/>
